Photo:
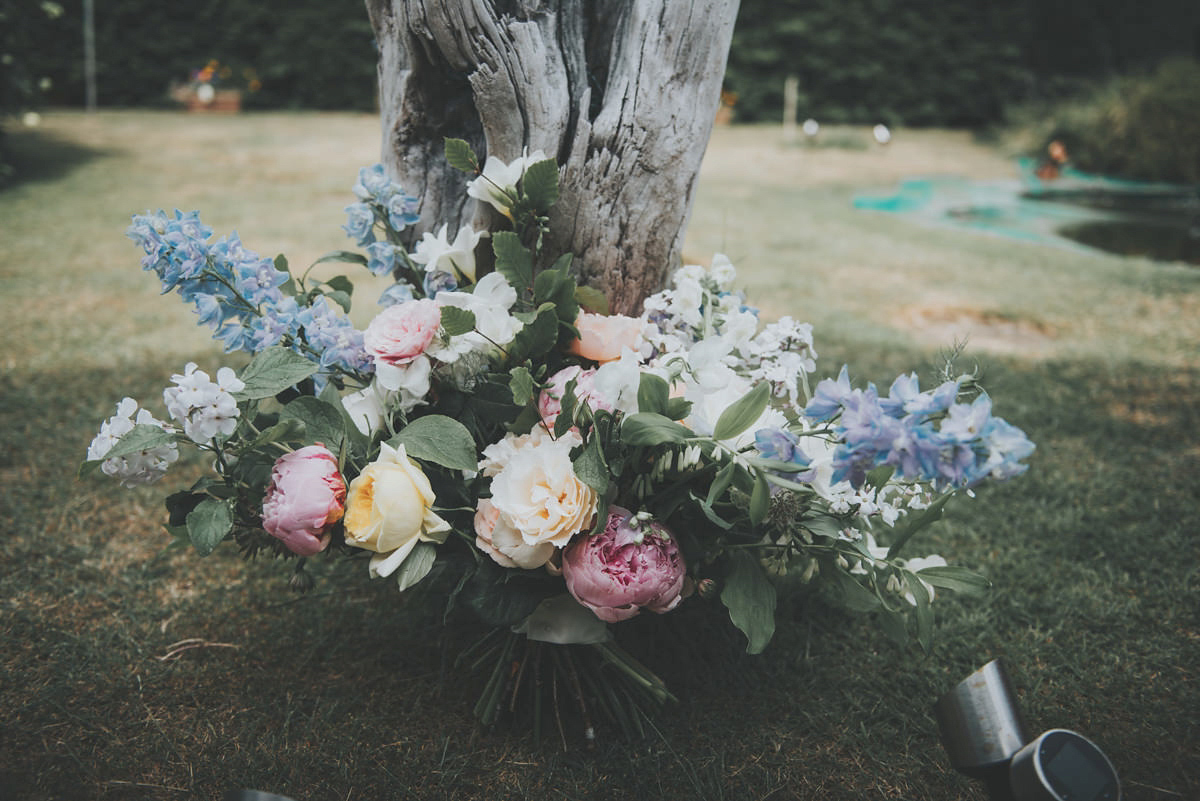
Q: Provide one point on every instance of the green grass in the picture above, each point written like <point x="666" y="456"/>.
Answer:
<point x="348" y="693"/>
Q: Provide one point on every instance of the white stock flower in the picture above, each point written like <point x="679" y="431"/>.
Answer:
<point x="205" y="408"/>
<point x="142" y="467"/>
<point x="437" y="253"/>
<point x="617" y="382"/>
<point x="497" y="184"/>
<point x="490" y="301"/>
<point x="367" y="407"/>
<point x="410" y="382"/>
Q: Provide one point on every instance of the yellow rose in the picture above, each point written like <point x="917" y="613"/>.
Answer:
<point x="389" y="509"/>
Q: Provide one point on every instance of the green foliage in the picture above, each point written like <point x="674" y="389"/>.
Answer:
<point x="438" y="439"/>
<point x="1140" y="127"/>
<point x="927" y="62"/>
<point x="307" y="54"/>
<point x="750" y="599"/>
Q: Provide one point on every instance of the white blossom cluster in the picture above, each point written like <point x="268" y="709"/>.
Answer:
<point x="206" y="409"/>
<point x="702" y="321"/>
<point x="142" y="467"/>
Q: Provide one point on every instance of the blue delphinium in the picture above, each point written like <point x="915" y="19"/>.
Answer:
<point x="381" y="200"/>
<point x="924" y="436"/>
<point x="438" y="281"/>
<point x="381" y="258"/>
<point x="781" y="445"/>
<point x="238" y="294"/>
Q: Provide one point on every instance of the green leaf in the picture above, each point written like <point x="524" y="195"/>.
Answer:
<point x="851" y="594"/>
<point x="272" y="371"/>
<point x="208" y="524"/>
<point x="323" y="422"/>
<point x="920" y="594"/>
<point x="742" y="413"/>
<point x="538" y="337"/>
<point x="567" y="404"/>
<point x="520" y="382"/>
<point x="750" y="598"/>
<point x="540" y="184"/>
<point x="504" y="597"/>
<point x="721" y="482"/>
<point x="291" y="430"/>
<point x="592" y="299"/>
<point x="678" y="408"/>
<point x="915" y="522"/>
<point x="142" y="437"/>
<point x="340" y="298"/>
<point x="460" y="156"/>
<point x="513" y="260"/>
<point x="760" y="499"/>
<point x="416" y="565"/>
<point x="591" y="468"/>
<point x="880" y="476"/>
<point x="341" y="283"/>
<point x="557" y="287"/>
<point x="654" y="394"/>
<point x="456" y="321"/>
<point x="439" y="439"/>
<point x="956" y="579"/>
<point x="647" y="428"/>
<point x="343" y="256"/>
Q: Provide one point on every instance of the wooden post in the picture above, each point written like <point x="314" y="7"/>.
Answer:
<point x="791" y="101"/>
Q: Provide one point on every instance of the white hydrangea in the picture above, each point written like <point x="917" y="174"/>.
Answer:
<point x="206" y="409"/>
<point x="142" y="467"/>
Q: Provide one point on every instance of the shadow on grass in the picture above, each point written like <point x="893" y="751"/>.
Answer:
<point x="350" y="691"/>
<point x="36" y="155"/>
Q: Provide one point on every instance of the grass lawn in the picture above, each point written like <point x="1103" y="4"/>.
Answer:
<point x="348" y="693"/>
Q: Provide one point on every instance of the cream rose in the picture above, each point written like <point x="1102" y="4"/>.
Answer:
<point x="603" y="337"/>
<point x="389" y="509"/>
<point x="538" y="494"/>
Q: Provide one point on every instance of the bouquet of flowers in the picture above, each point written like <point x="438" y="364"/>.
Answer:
<point x="567" y="467"/>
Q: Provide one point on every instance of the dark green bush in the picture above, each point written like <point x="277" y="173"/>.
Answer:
<point x="307" y="53"/>
<point x="1144" y="128"/>
<point x="929" y="62"/>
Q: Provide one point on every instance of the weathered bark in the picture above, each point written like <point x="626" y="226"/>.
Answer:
<point x="622" y="93"/>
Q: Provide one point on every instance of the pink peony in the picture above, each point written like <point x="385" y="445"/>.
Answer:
<point x="550" y="398"/>
<point x="633" y="564"/>
<point x="602" y="337"/>
<point x="307" y="495"/>
<point x="401" y="333"/>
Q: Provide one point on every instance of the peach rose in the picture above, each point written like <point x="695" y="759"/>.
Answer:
<point x="495" y="537"/>
<point x="603" y="337"/>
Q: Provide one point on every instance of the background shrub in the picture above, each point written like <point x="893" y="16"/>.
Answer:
<point x="307" y="53"/>
<point x="1145" y="128"/>
<point x="928" y="62"/>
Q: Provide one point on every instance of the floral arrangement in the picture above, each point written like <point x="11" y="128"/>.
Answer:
<point x="568" y="468"/>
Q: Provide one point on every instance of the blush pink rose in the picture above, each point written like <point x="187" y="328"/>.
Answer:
<point x="633" y="564"/>
<point x="550" y="398"/>
<point x="401" y="333"/>
<point x="307" y="495"/>
<point x="602" y="337"/>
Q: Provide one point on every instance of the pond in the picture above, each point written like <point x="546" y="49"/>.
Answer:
<point x="1154" y="221"/>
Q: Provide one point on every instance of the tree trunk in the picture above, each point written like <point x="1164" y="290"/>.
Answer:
<point x="622" y="93"/>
